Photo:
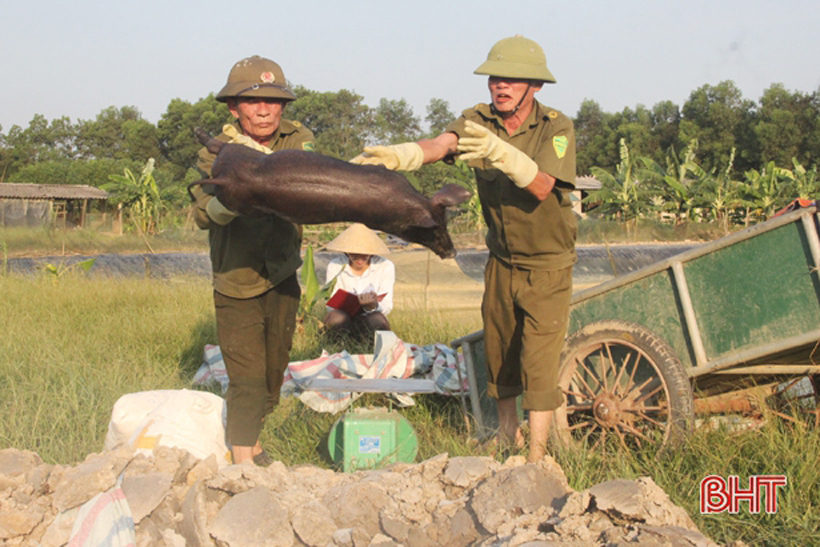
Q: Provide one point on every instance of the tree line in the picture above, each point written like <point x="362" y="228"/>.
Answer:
<point x="718" y="156"/>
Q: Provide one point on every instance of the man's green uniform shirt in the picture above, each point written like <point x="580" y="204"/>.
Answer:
<point x="523" y="231"/>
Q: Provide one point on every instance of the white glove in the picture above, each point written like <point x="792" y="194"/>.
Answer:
<point x="219" y="213"/>
<point x="239" y="138"/>
<point x="407" y="156"/>
<point x="482" y="144"/>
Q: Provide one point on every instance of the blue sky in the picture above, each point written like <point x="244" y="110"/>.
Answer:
<point x="76" y="58"/>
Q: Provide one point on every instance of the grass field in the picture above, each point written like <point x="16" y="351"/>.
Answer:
<point x="72" y="346"/>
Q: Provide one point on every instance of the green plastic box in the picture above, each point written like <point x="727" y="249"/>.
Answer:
<point x="370" y="438"/>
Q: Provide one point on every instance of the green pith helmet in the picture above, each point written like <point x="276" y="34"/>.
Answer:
<point x="517" y="57"/>
<point x="256" y="77"/>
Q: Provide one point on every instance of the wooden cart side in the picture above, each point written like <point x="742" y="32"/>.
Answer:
<point x="683" y="298"/>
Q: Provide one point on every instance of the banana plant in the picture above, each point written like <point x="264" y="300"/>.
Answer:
<point x="766" y="188"/>
<point x="621" y="195"/>
<point x="140" y="195"/>
<point x="313" y="291"/>
<point x="805" y="183"/>
<point x="719" y="193"/>
<point x="674" y="181"/>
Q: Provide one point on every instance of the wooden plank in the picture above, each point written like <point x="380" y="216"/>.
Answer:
<point x="799" y="370"/>
<point x="371" y="385"/>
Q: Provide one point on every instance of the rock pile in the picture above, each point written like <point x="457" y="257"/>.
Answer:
<point x="177" y="500"/>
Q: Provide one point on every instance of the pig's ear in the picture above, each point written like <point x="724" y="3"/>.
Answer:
<point x="450" y="195"/>
<point x="213" y="145"/>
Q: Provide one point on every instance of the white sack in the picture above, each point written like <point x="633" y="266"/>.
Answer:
<point x="191" y="420"/>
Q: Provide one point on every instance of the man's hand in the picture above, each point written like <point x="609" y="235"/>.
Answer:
<point x="407" y="156"/>
<point x="369" y="301"/>
<point x="219" y="213"/>
<point x="482" y="144"/>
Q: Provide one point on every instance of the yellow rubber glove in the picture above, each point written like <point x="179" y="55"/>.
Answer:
<point x="239" y="138"/>
<point x="482" y="144"/>
<point x="407" y="156"/>
<point x="219" y="213"/>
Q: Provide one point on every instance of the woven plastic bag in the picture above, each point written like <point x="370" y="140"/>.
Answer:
<point x="190" y="420"/>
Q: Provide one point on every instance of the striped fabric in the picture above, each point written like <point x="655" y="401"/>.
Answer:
<point x="391" y="358"/>
<point x="104" y="521"/>
<point x="212" y="371"/>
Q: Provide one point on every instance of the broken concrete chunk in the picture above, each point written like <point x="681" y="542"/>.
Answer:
<point x="253" y="518"/>
<point x="639" y="500"/>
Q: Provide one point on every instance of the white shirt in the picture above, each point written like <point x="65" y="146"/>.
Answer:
<point x="379" y="277"/>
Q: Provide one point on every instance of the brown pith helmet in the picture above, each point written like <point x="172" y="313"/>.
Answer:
<point x="256" y="77"/>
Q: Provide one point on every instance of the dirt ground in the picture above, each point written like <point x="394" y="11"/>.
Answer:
<point x="423" y="280"/>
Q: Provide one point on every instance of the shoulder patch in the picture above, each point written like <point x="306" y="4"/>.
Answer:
<point x="309" y="146"/>
<point x="553" y="114"/>
<point x="296" y="124"/>
<point x="560" y="144"/>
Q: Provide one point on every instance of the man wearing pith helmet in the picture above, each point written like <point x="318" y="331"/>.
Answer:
<point x="254" y="260"/>
<point x="523" y="156"/>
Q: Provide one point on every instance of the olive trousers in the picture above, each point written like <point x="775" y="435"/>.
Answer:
<point x="525" y="314"/>
<point x="255" y="337"/>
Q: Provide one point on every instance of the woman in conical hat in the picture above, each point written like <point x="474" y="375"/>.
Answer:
<point x="360" y="272"/>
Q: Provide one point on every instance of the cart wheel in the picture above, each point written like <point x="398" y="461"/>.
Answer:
<point x="624" y="383"/>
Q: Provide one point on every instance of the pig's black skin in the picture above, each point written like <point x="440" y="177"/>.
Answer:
<point x="309" y="188"/>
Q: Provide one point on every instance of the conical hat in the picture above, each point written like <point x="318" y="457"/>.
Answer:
<point x="358" y="239"/>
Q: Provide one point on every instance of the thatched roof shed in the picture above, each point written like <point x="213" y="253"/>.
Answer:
<point x="25" y="190"/>
<point x="26" y="204"/>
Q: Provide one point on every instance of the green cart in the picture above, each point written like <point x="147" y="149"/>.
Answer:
<point x="745" y="307"/>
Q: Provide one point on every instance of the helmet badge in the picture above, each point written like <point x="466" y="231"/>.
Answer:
<point x="267" y="77"/>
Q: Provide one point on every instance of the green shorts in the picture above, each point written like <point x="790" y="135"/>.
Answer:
<point x="255" y="337"/>
<point x="525" y="315"/>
